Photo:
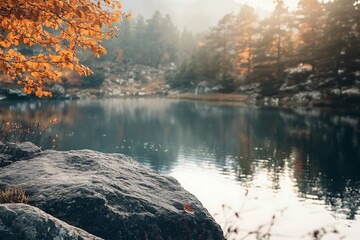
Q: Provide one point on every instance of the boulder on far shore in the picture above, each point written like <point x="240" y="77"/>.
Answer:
<point x="110" y="196"/>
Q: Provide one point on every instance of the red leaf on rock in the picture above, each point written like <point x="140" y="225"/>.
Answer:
<point x="188" y="209"/>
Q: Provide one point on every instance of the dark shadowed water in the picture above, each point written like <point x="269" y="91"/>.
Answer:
<point x="303" y="166"/>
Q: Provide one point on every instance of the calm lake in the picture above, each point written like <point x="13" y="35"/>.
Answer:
<point x="300" y="165"/>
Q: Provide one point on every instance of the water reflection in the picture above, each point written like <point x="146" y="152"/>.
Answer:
<point x="315" y="151"/>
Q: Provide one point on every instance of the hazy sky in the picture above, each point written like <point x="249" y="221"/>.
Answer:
<point x="198" y="15"/>
<point x="267" y="5"/>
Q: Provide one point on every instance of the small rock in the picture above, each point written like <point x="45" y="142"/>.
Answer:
<point x="5" y="159"/>
<point x="20" y="151"/>
<point x="21" y="221"/>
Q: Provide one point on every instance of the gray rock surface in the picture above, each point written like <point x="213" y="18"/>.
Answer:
<point x="25" y="222"/>
<point x="12" y="152"/>
<point x="110" y="195"/>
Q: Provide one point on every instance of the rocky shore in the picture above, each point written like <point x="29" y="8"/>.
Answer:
<point x="299" y="88"/>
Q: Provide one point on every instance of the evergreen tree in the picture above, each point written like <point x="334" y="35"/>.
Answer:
<point x="221" y="40"/>
<point x="340" y="42"/>
<point x="187" y="45"/>
<point x="161" y="40"/>
<point x="139" y="40"/>
<point x="153" y="52"/>
<point x="170" y="38"/>
<point x="202" y="66"/>
<point x="126" y="41"/>
<point x="309" y="19"/>
<point x="207" y="65"/>
<point x="275" y="45"/>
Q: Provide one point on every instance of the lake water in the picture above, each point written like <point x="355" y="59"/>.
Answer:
<point x="300" y="166"/>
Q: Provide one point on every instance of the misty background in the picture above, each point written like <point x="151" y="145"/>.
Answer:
<point x="194" y="15"/>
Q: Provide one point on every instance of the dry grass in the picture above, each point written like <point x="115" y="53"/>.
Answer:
<point x="13" y="195"/>
<point x="212" y="97"/>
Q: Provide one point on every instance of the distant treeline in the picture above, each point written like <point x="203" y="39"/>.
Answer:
<point x="150" y="42"/>
<point x="322" y="38"/>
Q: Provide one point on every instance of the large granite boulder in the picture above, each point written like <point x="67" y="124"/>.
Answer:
<point x="21" y="221"/>
<point x="110" y="195"/>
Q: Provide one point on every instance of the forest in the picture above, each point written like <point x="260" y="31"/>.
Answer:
<point x="310" y="52"/>
<point x="315" y="43"/>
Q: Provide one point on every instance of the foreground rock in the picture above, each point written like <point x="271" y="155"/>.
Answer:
<point x="21" y="221"/>
<point x="110" y="196"/>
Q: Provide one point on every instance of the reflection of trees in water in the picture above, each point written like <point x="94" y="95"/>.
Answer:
<point x="322" y="148"/>
<point x="37" y="111"/>
<point x="327" y="158"/>
<point x="93" y="126"/>
<point x="207" y="128"/>
<point x="136" y="132"/>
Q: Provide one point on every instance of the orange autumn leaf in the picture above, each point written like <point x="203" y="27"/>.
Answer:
<point x="60" y="27"/>
<point x="54" y="120"/>
<point x="188" y="209"/>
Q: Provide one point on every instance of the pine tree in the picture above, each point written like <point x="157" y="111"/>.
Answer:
<point x="161" y="40"/>
<point x="221" y="40"/>
<point x="309" y="20"/>
<point x="170" y="38"/>
<point x="275" y="46"/>
<point x="187" y="45"/>
<point x="126" y="39"/>
<point x="139" y="40"/>
<point x="340" y="42"/>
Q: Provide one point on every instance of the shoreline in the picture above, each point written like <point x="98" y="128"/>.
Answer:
<point x="281" y="101"/>
<point x="220" y="97"/>
<point x="274" y="101"/>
